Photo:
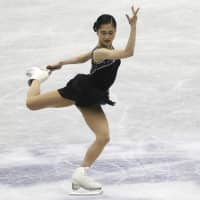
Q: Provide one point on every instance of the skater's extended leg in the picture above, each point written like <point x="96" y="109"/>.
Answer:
<point x="36" y="101"/>
<point x="96" y="120"/>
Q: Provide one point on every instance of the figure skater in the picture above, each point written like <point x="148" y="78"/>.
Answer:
<point x="87" y="91"/>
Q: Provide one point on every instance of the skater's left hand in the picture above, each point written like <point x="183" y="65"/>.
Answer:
<point x="133" y="19"/>
<point x="54" y="67"/>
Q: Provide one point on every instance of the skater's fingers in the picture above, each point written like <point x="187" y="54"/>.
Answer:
<point x="137" y="11"/>
<point x="134" y="11"/>
<point x="128" y="18"/>
<point x="132" y="8"/>
<point x="51" y="68"/>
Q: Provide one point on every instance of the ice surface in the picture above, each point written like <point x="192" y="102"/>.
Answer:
<point x="155" y="150"/>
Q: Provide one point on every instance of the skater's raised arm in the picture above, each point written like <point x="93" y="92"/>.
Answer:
<point x="74" y="60"/>
<point x="104" y="53"/>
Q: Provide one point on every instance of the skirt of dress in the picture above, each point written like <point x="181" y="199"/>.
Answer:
<point x="84" y="93"/>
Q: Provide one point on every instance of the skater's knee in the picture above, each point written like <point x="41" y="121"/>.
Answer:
<point x="103" y="140"/>
<point x="31" y="105"/>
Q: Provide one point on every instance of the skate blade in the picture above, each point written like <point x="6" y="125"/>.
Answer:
<point x="83" y="192"/>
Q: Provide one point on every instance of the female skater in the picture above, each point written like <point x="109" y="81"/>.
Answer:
<point x="87" y="91"/>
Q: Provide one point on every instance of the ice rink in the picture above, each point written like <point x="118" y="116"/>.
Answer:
<point x="154" y="153"/>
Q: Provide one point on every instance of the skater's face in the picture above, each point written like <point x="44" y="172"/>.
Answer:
<point x="106" y="34"/>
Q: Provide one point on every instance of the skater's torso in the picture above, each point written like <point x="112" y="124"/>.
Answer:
<point x="103" y="74"/>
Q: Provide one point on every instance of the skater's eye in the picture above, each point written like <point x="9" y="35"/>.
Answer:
<point x="104" y="32"/>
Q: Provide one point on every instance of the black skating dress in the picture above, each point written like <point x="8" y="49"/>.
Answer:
<point x="93" y="88"/>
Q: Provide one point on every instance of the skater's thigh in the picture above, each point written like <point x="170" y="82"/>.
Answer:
<point x="96" y="120"/>
<point x="49" y="99"/>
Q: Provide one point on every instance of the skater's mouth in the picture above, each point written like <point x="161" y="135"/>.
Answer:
<point x="107" y="41"/>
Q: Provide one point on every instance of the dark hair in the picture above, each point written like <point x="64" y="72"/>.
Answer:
<point x="104" y="19"/>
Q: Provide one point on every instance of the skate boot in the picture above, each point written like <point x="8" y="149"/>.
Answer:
<point x="83" y="184"/>
<point x="36" y="73"/>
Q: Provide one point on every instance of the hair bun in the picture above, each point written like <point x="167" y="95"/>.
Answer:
<point x="104" y="19"/>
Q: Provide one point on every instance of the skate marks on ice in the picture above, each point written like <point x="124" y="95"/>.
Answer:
<point x="150" y="162"/>
<point x="145" y="170"/>
<point x="147" y="162"/>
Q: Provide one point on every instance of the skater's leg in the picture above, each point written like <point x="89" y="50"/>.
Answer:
<point x="96" y="120"/>
<point x="34" y="89"/>
<point x="36" y="101"/>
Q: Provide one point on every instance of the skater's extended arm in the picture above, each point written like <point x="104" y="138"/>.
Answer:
<point x="103" y="53"/>
<point x="78" y="59"/>
<point x="74" y="60"/>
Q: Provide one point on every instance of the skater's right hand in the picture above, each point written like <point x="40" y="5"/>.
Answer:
<point x="54" y="67"/>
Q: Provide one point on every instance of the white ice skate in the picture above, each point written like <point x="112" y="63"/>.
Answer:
<point x="38" y="74"/>
<point x="83" y="185"/>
